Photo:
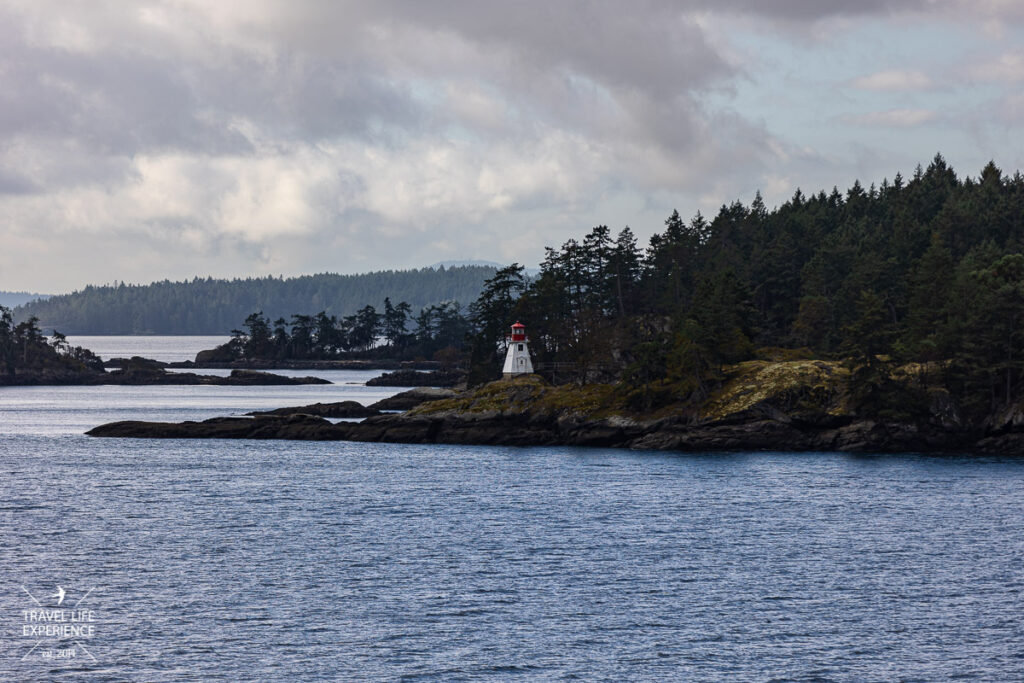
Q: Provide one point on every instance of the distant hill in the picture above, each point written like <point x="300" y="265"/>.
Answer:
<point x="12" y="299"/>
<point x="209" y="306"/>
<point x="530" y="272"/>
<point x="456" y="264"/>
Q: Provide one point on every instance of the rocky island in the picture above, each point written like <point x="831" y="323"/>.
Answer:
<point x="802" y="405"/>
<point x="66" y="377"/>
<point x="887" y="318"/>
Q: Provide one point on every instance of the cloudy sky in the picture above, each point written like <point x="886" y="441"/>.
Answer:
<point x="152" y="139"/>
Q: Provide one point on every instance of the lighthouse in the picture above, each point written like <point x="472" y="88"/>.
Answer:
<point x="517" y="361"/>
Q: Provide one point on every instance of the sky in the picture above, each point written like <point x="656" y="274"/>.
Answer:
<point x="150" y="140"/>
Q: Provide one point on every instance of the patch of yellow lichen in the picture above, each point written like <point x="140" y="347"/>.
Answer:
<point x="923" y="372"/>
<point x="811" y="385"/>
<point x="589" y="400"/>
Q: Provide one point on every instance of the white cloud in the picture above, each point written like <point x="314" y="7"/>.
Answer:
<point x="989" y="11"/>
<point x="1007" y="68"/>
<point x="892" y="117"/>
<point x="166" y="138"/>
<point x="894" y="79"/>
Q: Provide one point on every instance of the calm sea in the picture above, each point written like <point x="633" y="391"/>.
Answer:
<point x="259" y="561"/>
<point x="170" y="349"/>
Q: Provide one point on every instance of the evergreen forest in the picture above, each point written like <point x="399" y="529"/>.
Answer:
<point x="921" y="275"/>
<point x="23" y="347"/>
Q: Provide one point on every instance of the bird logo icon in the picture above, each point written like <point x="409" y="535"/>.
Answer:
<point x="59" y="595"/>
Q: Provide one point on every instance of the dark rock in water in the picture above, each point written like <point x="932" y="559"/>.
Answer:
<point x="297" y="427"/>
<point x="412" y="398"/>
<point x="498" y="427"/>
<point x="1010" y="443"/>
<point x="340" y="409"/>
<point x="134" y="363"/>
<point x="226" y="359"/>
<point x="51" y="377"/>
<point x="349" y="409"/>
<point x="148" y="377"/>
<point x="220" y="354"/>
<point x="245" y="378"/>
<point x="412" y="378"/>
<point x="257" y="378"/>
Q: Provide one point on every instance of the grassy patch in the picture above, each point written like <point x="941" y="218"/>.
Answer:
<point x="797" y="387"/>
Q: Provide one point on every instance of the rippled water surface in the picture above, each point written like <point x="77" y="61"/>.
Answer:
<point x="238" y="561"/>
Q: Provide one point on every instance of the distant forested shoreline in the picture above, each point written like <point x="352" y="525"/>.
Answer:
<point x="12" y="299"/>
<point x="215" y="306"/>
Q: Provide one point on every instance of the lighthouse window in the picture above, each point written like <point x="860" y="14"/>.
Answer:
<point x="520" y="347"/>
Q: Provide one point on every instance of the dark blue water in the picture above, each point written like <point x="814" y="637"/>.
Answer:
<point x="244" y="561"/>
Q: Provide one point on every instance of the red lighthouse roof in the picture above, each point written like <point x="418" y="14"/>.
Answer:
<point x="519" y="325"/>
<point x="519" y="332"/>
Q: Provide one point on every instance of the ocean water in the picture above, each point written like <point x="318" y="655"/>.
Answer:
<point x="262" y="561"/>
<point x="170" y="349"/>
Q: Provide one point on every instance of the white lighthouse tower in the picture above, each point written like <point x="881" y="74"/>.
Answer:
<point x="517" y="361"/>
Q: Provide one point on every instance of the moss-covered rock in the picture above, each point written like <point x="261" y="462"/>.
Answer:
<point x="503" y="396"/>
<point x="776" y="354"/>
<point x="802" y="389"/>
<point x="531" y="394"/>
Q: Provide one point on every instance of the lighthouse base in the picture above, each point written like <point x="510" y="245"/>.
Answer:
<point x="517" y="361"/>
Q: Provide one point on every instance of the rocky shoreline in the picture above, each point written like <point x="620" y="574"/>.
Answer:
<point x="415" y="378"/>
<point x="526" y="412"/>
<point x="353" y="409"/>
<point x="754" y="433"/>
<point x="382" y="364"/>
<point x="150" y="377"/>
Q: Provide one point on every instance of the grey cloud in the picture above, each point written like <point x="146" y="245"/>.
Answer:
<point x="123" y="100"/>
<point x="329" y="72"/>
<point x="814" y="10"/>
<point x="557" y="62"/>
<point x="652" y="47"/>
<point x="13" y="183"/>
<point x="172" y="116"/>
<point x="117" y="105"/>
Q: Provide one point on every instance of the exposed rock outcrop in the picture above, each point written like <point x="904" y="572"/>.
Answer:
<point x="148" y="376"/>
<point x="412" y="398"/>
<point x="135" y="363"/>
<point x="257" y="378"/>
<point x="496" y="428"/>
<point x="297" y="427"/>
<point x="344" y="409"/>
<point x="413" y="378"/>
